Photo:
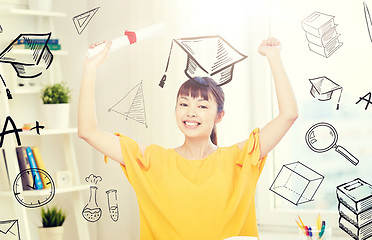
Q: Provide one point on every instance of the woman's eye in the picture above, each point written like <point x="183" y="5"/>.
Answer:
<point x="202" y="106"/>
<point x="183" y="104"/>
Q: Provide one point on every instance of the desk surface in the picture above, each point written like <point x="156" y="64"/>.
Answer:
<point x="290" y="236"/>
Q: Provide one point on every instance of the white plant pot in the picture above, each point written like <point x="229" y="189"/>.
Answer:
<point x="56" y="116"/>
<point x="40" y="5"/>
<point x="51" y="233"/>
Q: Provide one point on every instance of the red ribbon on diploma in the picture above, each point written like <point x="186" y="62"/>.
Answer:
<point x="131" y="36"/>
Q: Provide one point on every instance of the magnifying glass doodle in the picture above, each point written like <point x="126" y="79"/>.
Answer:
<point x="322" y="137"/>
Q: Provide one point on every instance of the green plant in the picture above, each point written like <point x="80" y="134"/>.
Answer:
<point x="55" y="93"/>
<point x="52" y="217"/>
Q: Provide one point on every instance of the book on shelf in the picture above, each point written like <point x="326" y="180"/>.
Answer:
<point x="39" y="41"/>
<point x="4" y="174"/>
<point x="40" y="163"/>
<point x="358" y="233"/>
<point x="318" y="23"/>
<point x="35" y="172"/>
<point x="52" y="47"/>
<point x="27" y="179"/>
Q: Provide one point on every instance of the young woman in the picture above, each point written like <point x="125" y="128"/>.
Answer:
<point x="197" y="190"/>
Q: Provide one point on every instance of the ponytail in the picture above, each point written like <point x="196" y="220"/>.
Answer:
<point x="213" y="135"/>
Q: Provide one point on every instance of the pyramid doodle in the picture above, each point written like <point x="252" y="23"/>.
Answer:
<point x="136" y="109"/>
<point x="82" y="20"/>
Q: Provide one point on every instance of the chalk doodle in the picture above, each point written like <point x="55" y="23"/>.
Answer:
<point x="112" y="200"/>
<point x="322" y="137"/>
<point x="207" y="56"/>
<point x="364" y="98"/>
<point x="296" y="183"/>
<point x="36" y="58"/>
<point x="322" y="89"/>
<point x="9" y="229"/>
<point x="8" y="93"/>
<point x="355" y="210"/>
<point x="321" y="34"/>
<point x="81" y="21"/>
<point x="15" y="130"/>
<point x="136" y="111"/>
<point x="92" y="212"/>
<point x="368" y="20"/>
<point x="41" y="199"/>
<point x="37" y="127"/>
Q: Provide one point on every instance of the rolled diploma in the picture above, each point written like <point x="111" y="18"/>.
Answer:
<point x="118" y="43"/>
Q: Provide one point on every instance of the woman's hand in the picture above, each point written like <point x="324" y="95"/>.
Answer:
<point x="100" y="57"/>
<point x="269" y="46"/>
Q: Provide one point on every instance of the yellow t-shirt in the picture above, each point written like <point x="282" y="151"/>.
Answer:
<point x="207" y="199"/>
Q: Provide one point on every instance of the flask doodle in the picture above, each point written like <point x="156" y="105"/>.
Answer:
<point x="92" y="212"/>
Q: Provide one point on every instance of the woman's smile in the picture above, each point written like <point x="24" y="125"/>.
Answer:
<point x="191" y="124"/>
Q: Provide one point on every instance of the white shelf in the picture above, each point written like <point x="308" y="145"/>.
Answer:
<point x="47" y="132"/>
<point x="43" y="192"/>
<point x="30" y="12"/>
<point x="26" y="51"/>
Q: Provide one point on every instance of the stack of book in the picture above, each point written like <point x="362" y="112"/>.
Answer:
<point x="355" y="208"/>
<point x="30" y="157"/>
<point x="321" y="34"/>
<point x="53" y="44"/>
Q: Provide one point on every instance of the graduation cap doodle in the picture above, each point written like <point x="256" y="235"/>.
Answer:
<point x="37" y="57"/>
<point x="323" y="87"/>
<point x="207" y="55"/>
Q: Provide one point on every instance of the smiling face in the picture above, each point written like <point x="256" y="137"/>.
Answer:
<point x="196" y="116"/>
<point x="200" y="104"/>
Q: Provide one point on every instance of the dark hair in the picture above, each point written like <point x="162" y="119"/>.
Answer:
<point x="204" y="87"/>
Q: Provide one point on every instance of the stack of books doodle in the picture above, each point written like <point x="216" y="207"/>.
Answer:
<point x="321" y="34"/>
<point x="355" y="208"/>
<point x="53" y="44"/>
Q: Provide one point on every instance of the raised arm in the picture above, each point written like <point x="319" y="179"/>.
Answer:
<point x="105" y="142"/>
<point x="273" y="132"/>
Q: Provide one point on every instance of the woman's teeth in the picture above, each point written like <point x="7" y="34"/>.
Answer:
<point x="191" y="123"/>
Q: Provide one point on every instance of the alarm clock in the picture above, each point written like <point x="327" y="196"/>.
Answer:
<point x="42" y="197"/>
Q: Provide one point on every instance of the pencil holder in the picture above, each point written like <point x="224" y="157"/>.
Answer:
<point x="327" y="235"/>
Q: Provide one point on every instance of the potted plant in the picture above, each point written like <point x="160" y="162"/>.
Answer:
<point x="52" y="220"/>
<point x="56" y="107"/>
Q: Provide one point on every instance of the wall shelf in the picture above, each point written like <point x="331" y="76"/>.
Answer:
<point x="29" y="12"/>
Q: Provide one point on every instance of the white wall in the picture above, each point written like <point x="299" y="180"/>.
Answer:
<point x="242" y="23"/>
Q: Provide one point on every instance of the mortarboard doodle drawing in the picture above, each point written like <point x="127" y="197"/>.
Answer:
<point x="34" y="61"/>
<point x="322" y="137"/>
<point x="207" y="56"/>
<point x="81" y="21"/>
<point x="321" y="34"/>
<point x="368" y="20"/>
<point x="112" y="200"/>
<point x="355" y="208"/>
<point x="365" y="99"/>
<point x="136" y="110"/>
<point x="296" y="183"/>
<point x="92" y="212"/>
<point x="9" y="230"/>
<point x="323" y="87"/>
